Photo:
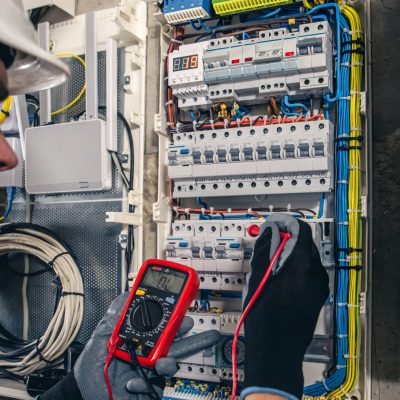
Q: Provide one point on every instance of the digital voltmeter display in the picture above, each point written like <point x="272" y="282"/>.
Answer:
<point x="161" y="295"/>
<point x="186" y="62"/>
<point x="171" y="281"/>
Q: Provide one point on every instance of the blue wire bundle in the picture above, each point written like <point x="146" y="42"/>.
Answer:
<point x="342" y="160"/>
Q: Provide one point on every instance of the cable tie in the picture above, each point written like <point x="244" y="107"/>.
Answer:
<point x="353" y="306"/>
<point x="345" y="98"/>
<point x="169" y="102"/>
<point x="357" y="64"/>
<point x="354" y="129"/>
<point x="6" y="113"/>
<point x="341" y="366"/>
<point x="343" y="223"/>
<point x="349" y="211"/>
<point x="354" y="258"/>
<point x="41" y="357"/>
<point x="345" y="64"/>
<point x="354" y="41"/>
<point x="350" y="250"/>
<point x="72" y="294"/>
<point x="349" y="267"/>
<point x="51" y="263"/>
<point x="346" y="260"/>
<point x="347" y="138"/>
<point x="327" y="388"/>
<point x="354" y="168"/>
<point x="343" y="182"/>
<point x="360" y="51"/>
<point x="341" y="304"/>
<point x="345" y="393"/>
<point x="351" y="356"/>
<point x="355" y="92"/>
<point x="342" y="335"/>
<point x="176" y="41"/>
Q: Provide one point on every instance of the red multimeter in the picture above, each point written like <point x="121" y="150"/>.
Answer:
<point x="160" y="297"/>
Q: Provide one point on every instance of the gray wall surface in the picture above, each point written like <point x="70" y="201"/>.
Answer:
<point x="386" y="200"/>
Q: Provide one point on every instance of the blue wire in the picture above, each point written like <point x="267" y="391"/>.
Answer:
<point x="266" y="16"/>
<point x="294" y="105"/>
<point x="10" y="200"/>
<point x="202" y="203"/>
<point x="208" y="28"/>
<point x="192" y="24"/>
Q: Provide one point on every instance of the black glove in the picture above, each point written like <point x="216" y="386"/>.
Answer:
<point x="280" y="326"/>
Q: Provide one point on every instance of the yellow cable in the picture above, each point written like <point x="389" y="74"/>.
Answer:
<point x="82" y="91"/>
<point x="5" y="109"/>
<point x="355" y="224"/>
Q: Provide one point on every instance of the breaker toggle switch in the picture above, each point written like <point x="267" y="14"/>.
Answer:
<point x="253" y="230"/>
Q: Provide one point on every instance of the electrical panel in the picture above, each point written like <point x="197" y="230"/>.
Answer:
<point x="277" y="62"/>
<point x="262" y="115"/>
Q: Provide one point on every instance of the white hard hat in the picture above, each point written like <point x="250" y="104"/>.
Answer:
<point x="33" y="67"/>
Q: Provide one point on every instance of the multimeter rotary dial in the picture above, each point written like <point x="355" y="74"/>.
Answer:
<point x="146" y="315"/>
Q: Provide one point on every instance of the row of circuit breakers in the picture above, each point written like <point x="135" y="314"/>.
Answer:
<point x="220" y="251"/>
<point x="279" y="158"/>
<point x="261" y="158"/>
<point x="280" y="62"/>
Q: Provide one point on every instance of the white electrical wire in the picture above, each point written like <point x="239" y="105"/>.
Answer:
<point x="67" y="319"/>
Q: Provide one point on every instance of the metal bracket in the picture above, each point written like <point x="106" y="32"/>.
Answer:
<point x="124" y="218"/>
<point x="44" y="95"/>
<point x="112" y="85"/>
<point x="91" y="66"/>
<point x="363" y="307"/>
<point x="158" y="125"/>
<point x="161" y="211"/>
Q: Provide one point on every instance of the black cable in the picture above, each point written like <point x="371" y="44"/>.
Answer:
<point x="129" y="344"/>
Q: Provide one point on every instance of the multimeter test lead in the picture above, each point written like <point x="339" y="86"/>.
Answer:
<point x="284" y="238"/>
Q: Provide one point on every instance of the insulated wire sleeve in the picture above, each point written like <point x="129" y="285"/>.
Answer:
<point x="5" y="109"/>
<point x="81" y="92"/>
<point x="47" y="350"/>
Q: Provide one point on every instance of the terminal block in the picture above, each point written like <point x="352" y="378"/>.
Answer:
<point x="262" y="159"/>
<point x="278" y="62"/>
<point x="177" y="11"/>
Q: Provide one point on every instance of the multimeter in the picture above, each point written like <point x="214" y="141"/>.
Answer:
<point x="159" y="299"/>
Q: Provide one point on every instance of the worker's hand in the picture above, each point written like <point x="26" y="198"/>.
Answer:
<point x="280" y="326"/>
<point x="125" y="380"/>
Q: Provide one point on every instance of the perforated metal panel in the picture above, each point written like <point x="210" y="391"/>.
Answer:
<point x="79" y="219"/>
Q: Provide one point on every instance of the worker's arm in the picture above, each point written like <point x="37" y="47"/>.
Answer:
<point x="280" y="326"/>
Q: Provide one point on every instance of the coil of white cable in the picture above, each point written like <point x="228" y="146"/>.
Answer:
<point x="41" y="243"/>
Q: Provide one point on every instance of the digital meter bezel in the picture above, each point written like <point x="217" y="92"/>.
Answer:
<point x="185" y="298"/>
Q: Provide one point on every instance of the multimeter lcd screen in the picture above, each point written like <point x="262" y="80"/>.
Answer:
<point x="168" y="282"/>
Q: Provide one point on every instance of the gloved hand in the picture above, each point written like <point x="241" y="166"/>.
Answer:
<point x="87" y="380"/>
<point x="280" y="326"/>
